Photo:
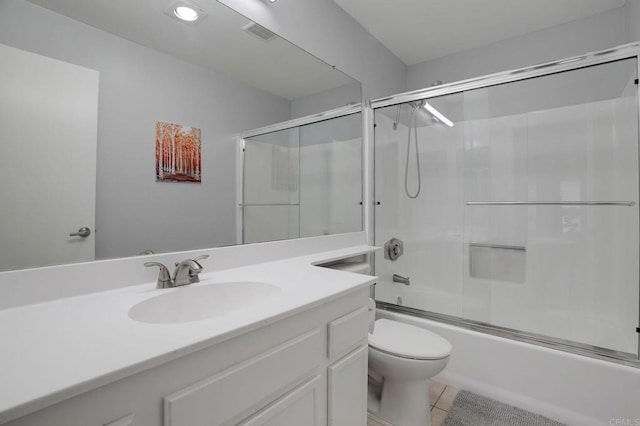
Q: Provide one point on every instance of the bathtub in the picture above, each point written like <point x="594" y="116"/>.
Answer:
<point x="569" y="388"/>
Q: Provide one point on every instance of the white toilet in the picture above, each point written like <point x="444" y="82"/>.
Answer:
<point x="406" y="356"/>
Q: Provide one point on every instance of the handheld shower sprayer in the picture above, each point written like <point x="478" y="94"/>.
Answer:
<point x="413" y="125"/>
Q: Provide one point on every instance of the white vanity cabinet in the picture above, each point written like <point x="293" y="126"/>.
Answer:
<point x="347" y="373"/>
<point x="307" y="369"/>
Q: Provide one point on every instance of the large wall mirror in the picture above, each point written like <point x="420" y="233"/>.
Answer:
<point x="89" y="87"/>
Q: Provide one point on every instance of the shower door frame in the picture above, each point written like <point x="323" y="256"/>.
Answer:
<point x="625" y="51"/>
<point x="272" y="128"/>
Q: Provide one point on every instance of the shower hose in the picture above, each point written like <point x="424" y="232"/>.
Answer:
<point x="413" y="125"/>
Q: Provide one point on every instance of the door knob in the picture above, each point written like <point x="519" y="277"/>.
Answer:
<point x="82" y="232"/>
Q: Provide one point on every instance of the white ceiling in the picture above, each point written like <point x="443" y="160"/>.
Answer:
<point x="218" y="43"/>
<point x="419" y="30"/>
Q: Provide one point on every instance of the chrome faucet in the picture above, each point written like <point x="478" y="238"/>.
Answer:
<point x="186" y="272"/>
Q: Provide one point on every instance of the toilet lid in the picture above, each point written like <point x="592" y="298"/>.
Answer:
<point x="408" y="341"/>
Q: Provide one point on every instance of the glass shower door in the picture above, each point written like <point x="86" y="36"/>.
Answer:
<point x="304" y="181"/>
<point x="271" y="206"/>
<point x="331" y="176"/>
<point x="419" y="187"/>
<point x="551" y="206"/>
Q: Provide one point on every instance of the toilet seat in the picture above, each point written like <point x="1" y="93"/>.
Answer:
<point x="408" y="341"/>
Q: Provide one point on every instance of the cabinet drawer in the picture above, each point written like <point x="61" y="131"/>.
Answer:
<point x="253" y="383"/>
<point x="347" y="333"/>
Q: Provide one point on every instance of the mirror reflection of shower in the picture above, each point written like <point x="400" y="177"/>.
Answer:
<point x="412" y="125"/>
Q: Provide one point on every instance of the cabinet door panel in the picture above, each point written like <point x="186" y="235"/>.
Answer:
<point x="348" y="390"/>
<point x="348" y="332"/>
<point x="123" y="421"/>
<point x="221" y="399"/>
<point x="299" y="407"/>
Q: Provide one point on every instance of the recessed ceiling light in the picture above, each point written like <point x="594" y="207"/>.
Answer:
<point x="270" y="1"/>
<point x="186" y="13"/>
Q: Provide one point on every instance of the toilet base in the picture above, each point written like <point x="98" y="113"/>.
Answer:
<point x="405" y="403"/>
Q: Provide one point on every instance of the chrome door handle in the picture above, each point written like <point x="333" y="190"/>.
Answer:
<point x="82" y="232"/>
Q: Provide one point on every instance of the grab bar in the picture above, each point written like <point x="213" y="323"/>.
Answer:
<point x="267" y="204"/>
<point x="551" y="203"/>
<point x="497" y="246"/>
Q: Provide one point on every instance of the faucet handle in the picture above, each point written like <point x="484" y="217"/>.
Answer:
<point x="197" y="260"/>
<point x="193" y="272"/>
<point x="204" y="256"/>
<point x="164" y="277"/>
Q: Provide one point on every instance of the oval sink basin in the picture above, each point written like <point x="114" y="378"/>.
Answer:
<point x="193" y="303"/>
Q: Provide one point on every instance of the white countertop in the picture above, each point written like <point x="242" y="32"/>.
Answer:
<point x="55" y="350"/>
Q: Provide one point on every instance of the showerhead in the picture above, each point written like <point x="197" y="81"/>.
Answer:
<point x="395" y="123"/>
<point x="437" y="114"/>
<point x="423" y="109"/>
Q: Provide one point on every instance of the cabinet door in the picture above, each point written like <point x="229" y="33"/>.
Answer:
<point x="123" y="421"/>
<point x="299" y="407"/>
<point x="348" y="390"/>
<point x="242" y="389"/>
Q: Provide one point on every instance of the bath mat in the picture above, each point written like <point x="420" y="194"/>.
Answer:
<point x="470" y="409"/>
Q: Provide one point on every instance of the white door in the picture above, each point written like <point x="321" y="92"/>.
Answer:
<point x="48" y="138"/>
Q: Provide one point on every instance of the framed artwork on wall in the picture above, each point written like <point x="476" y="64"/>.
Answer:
<point x="178" y="153"/>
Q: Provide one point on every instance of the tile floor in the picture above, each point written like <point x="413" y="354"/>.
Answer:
<point x="441" y="398"/>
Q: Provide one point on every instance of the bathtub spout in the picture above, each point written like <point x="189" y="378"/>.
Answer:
<point x="400" y="279"/>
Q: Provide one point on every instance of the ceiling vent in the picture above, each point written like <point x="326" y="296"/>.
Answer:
<point x="259" y="31"/>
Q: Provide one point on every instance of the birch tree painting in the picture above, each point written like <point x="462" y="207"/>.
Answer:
<point x="178" y="153"/>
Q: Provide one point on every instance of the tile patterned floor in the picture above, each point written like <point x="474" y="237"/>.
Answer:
<point x="441" y="398"/>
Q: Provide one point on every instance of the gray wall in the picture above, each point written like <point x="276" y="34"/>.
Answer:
<point x="139" y="86"/>
<point x="632" y="23"/>
<point x="597" y="32"/>
<point x="329" y="99"/>
<point x="322" y="28"/>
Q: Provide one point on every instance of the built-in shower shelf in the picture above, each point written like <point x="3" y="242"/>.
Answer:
<point x="498" y="262"/>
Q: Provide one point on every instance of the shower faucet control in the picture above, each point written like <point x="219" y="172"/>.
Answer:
<point x="393" y="249"/>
